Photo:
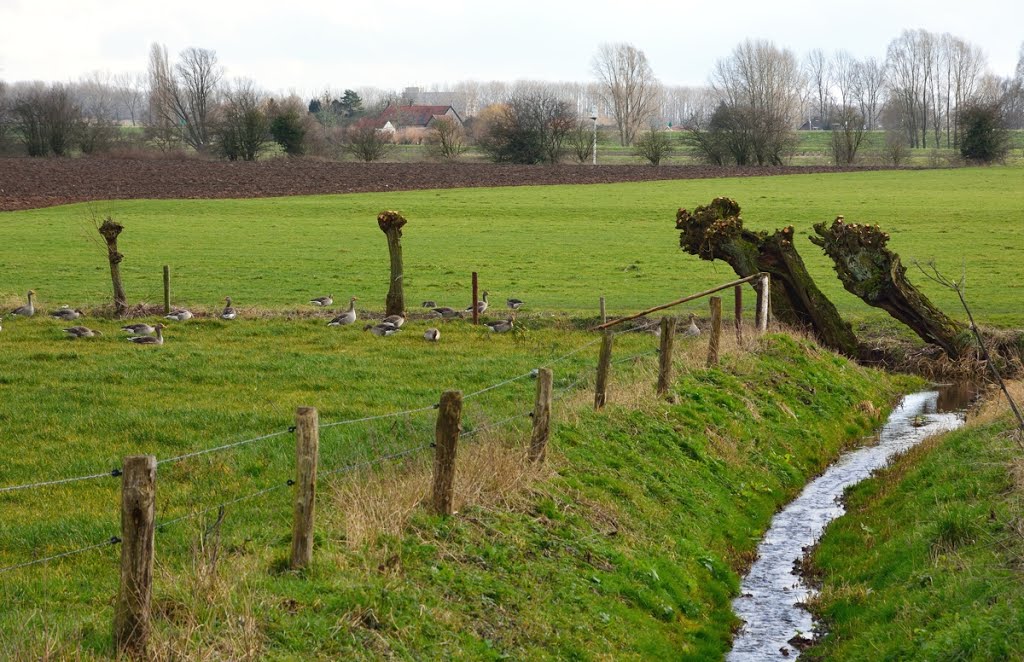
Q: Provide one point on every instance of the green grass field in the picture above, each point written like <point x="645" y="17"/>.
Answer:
<point x="558" y="247"/>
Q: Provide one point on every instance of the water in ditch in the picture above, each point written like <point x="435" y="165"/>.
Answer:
<point x="773" y="590"/>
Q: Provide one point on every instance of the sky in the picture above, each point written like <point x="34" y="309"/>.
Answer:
<point x="311" y="45"/>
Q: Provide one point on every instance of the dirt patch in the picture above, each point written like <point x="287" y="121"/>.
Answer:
<point x="27" y="183"/>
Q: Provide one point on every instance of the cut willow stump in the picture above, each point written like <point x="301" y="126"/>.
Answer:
<point x="715" y="232"/>
<point x="391" y="223"/>
<point x="875" y="274"/>
<point x="110" y="229"/>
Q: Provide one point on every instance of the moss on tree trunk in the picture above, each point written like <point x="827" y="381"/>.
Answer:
<point x="875" y="274"/>
<point x="716" y="232"/>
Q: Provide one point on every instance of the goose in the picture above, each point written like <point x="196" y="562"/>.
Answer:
<point x="347" y="317"/>
<point x="433" y="335"/>
<point x="514" y="304"/>
<point x="394" y="320"/>
<point x="179" y="315"/>
<point x="138" y="329"/>
<point x="229" y="312"/>
<point x="323" y="301"/>
<point x="429" y="304"/>
<point x="481" y="306"/>
<point x="67" y="314"/>
<point x="382" y="329"/>
<point x="82" y="332"/>
<point x="692" y="330"/>
<point x="28" y="310"/>
<point x="501" y="326"/>
<point x="158" y="339"/>
<point x="448" y="313"/>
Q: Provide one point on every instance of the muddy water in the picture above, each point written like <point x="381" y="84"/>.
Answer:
<point x="772" y="591"/>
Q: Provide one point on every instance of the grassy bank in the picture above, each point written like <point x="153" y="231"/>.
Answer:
<point x="277" y="253"/>
<point x="926" y="564"/>
<point x="627" y="545"/>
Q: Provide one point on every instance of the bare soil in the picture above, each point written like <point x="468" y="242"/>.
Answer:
<point x="27" y="183"/>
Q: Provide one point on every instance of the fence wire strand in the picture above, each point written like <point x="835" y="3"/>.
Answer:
<point x="225" y="504"/>
<point x="216" y="449"/>
<point x="113" y="540"/>
<point x="60" y="481"/>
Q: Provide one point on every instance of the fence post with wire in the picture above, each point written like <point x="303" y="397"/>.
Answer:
<point x="668" y="334"/>
<point x="541" y="416"/>
<point x="138" y="525"/>
<point x="604" y="363"/>
<point x="307" y="450"/>
<point x="446" y="438"/>
<point x="715" y="337"/>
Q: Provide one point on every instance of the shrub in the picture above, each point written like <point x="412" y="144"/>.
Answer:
<point x="654" y="145"/>
<point x="366" y="143"/>
<point x="983" y="137"/>
<point x="288" y="131"/>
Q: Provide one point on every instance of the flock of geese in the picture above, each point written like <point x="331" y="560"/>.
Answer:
<point x="152" y="334"/>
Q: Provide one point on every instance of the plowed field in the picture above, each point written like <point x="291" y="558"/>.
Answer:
<point x="29" y="183"/>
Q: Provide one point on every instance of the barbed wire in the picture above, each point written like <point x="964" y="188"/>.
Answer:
<point x="216" y="449"/>
<point x="377" y="417"/>
<point x="113" y="540"/>
<point x="225" y="504"/>
<point x="496" y="424"/>
<point x="369" y="463"/>
<point x="114" y="473"/>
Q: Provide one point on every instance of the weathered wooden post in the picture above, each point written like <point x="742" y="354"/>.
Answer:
<point x="110" y="229"/>
<point x="446" y="439"/>
<point x="476" y="298"/>
<point x="762" y="303"/>
<point x="167" y="289"/>
<point x="716" y="330"/>
<point x="738" y="312"/>
<point x="391" y="223"/>
<point x="541" y="416"/>
<point x="668" y="335"/>
<point x="138" y="524"/>
<point x="307" y="452"/>
<point x="604" y="363"/>
<point x="604" y="314"/>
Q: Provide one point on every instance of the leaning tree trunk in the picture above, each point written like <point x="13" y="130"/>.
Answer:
<point x="715" y="231"/>
<point x="110" y="229"/>
<point x="391" y="223"/>
<point x="874" y="273"/>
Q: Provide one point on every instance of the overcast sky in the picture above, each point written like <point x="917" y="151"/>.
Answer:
<point x="307" y="45"/>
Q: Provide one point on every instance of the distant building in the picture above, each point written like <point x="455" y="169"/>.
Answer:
<point x="411" y="123"/>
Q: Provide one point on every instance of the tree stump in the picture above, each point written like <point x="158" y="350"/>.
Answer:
<point x="715" y="232"/>
<point x="391" y="223"/>
<point x="109" y="231"/>
<point x="875" y="274"/>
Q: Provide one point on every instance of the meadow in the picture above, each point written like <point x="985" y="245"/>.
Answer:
<point x="71" y="408"/>
<point x="557" y="247"/>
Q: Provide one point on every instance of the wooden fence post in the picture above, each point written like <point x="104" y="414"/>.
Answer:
<point x="762" y="303"/>
<point x="604" y="314"/>
<point x="476" y="296"/>
<point x="604" y="362"/>
<point x="167" y="290"/>
<point x="307" y="452"/>
<point x="716" y="330"/>
<point x="138" y="525"/>
<point x="668" y="335"/>
<point x="738" y="312"/>
<point x="541" y="416"/>
<point x="446" y="439"/>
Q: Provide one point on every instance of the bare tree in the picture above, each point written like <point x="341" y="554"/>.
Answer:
<point x="46" y="118"/>
<point x="5" y="115"/>
<point x="629" y="86"/>
<point x="760" y="87"/>
<point x="818" y="77"/>
<point x="580" y="140"/>
<point x="130" y="89"/>
<point x="446" y="140"/>
<point x="655" y="145"/>
<point x="967" y="64"/>
<point x="162" y="120"/>
<point x="870" y="82"/>
<point x="186" y="95"/>
<point x="908" y="83"/>
<point x="98" y="129"/>
<point x="844" y="72"/>
<point x="365" y="142"/>
<point x="243" y="130"/>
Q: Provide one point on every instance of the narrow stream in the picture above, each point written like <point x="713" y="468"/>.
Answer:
<point x="772" y="592"/>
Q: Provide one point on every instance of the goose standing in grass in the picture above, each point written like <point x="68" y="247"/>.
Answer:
<point x="448" y="313"/>
<point x="139" y="329"/>
<point x="323" y="301"/>
<point x="229" y="312"/>
<point x="514" y="304"/>
<point x="502" y="326"/>
<point x="433" y="335"/>
<point x="347" y="317"/>
<point x="66" y="313"/>
<point x="692" y="330"/>
<point x="179" y="315"/>
<point x="28" y="310"/>
<point x="481" y="306"/>
<point x="82" y="332"/>
<point x="158" y="339"/>
<point x="382" y="329"/>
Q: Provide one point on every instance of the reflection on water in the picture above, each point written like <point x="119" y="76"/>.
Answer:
<point x="772" y="591"/>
